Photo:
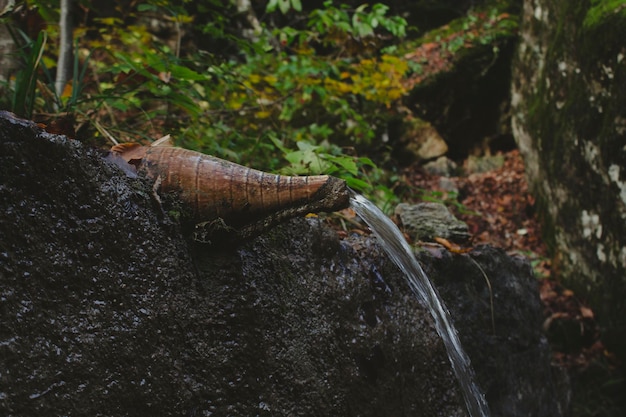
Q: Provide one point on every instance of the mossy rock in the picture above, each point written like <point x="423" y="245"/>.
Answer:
<point x="569" y="118"/>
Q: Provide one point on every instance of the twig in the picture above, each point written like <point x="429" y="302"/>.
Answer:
<point x="493" y="320"/>
<point x="104" y="132"/>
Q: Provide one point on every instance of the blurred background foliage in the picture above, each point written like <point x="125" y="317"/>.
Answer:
<point x="271" y="85"/>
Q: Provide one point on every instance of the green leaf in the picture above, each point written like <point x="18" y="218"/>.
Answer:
<point x="345" y="26"/>
<point x="185" y="102"/>
<point x="271" y="6"/>
<point x="307" y="146"/>
<point x="26" y="79"/>
<point x="184" y="73"/>
<point x="144" y="7"/>
<point x="365" y="161"/>
<point x="357" y="184"/>
<point x="297" y="5"/>
<point x="278" y="143"/>
<point x="364" y="30"/>
<point x="119" y="105"/>
<point x="284" y="6"/>
<point x="380" y="9"/>
<point x="346" y="162"/>
<point x="307" y="162"/>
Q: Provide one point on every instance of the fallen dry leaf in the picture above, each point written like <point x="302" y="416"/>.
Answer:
<point x="586" y="312"/>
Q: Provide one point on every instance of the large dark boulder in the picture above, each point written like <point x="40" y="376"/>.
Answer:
<point x="107" y="309"/>
<point x="569" y="120"/>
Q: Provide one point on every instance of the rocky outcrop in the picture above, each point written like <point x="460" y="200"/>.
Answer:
<point x="462" y="82"/>
<point x="569" y="120"/>
<point x="107" y="309"/>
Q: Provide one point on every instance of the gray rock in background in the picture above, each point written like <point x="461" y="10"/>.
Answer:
<point x="441" y="166"/>
<point x="425" y="221"/>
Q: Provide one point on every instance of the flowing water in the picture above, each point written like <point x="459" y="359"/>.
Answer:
<point x="392" y="241"/>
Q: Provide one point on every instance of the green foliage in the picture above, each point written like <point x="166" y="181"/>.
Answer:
<point x="362" y="24"/>
<point x="311" y="107"/>
<point x="297" y="100"/>
<point x="480" y="33"/>
<point x="297" y="97"/>
<point x="23" y="98"/>
<point x="33" y="84"/>
<point x="478" y="28"/>
<point x="284" y="5"/>
<point x="601" y="10"/>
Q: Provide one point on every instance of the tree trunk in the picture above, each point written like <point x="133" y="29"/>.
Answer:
<point x="64" y="63"/>
<point x="7" y="46"/>
<point x="245" y="8"/>
<point x="569" y="120"/>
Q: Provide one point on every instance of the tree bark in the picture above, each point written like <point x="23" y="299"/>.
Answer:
<point x="245" y="8"/>
<point x="7" y="46"/>
<point x="64" y="62"/>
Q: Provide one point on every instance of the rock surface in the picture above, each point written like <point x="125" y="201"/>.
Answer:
<point x="442" y="166"/>
<point x="426" y="221"/>
<point x="569" y="120"/>
<point x="108" y="310"/>
<point x="419" y="141"/>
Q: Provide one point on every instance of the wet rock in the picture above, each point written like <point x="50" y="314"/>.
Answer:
<point x="316" y="326"/>
<point x="426" y="221"/>
<point x="502" y="334"/>
<point x="108" y="309"/>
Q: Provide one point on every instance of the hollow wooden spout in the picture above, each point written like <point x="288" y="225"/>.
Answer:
<point x="241" y="198"/>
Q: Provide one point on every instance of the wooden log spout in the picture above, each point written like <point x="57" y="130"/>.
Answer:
<point x="243" y="199"/>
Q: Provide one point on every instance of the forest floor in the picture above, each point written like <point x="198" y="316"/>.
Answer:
<point x="499" y="211"/>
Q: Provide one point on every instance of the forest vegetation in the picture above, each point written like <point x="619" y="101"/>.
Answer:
<point x="277" y="85"/>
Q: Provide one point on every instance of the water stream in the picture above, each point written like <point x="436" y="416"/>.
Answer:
<point x="392" y="241"/>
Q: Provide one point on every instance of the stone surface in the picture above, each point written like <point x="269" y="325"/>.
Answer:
<point x="466" y="96"/>
<point x="419" y="141"/>
<point x="426" y="221"/>
<point x="502" y="336"/>
<point x="442" y="166"/>
<point x="569" y="120"/>
<point x="481" y="164"/>
<point x="107" y="309"/>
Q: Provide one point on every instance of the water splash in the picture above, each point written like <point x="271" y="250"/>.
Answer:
<point x="392" y="241"/>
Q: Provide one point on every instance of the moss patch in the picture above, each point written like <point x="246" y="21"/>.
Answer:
<point x="602" y="11"/>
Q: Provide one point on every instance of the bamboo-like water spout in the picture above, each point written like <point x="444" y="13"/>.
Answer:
<point x="243" y="200"/>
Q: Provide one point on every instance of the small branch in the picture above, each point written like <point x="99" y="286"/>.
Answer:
<point x="493" y="319"/>
<point x="105" y="133"/>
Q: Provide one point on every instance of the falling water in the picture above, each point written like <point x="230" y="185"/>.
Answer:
<point x="392" y="241"/>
